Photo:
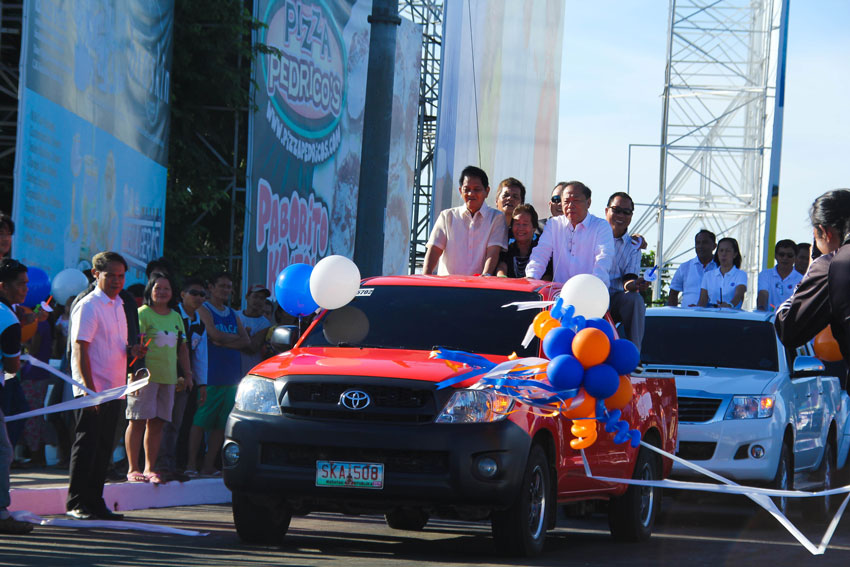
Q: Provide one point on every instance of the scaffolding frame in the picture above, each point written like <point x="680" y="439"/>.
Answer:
<point x="11" y="22"/>
<point x="717" y="119"/>
<point x="428" y="14"/>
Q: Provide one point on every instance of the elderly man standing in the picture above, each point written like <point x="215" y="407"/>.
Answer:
<point x="511" y="193"/>
<point x="627" y="305"/>
<point x="467" y="239"/>
<point x="577" y="242"/>
<point x="99" y="361"/>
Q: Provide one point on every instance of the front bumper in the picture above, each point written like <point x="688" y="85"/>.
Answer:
<point x="425" y="464"/>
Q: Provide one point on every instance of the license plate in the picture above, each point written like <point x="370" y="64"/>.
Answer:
<point x="350" y="475"/>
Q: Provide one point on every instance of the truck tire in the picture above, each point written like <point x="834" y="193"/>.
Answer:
<point x="412" y="519"/>
<point x="258" y="523"/>
<point x="631" y="516"/>
<point x="822" y="507"/>
<point x="521" y="529"/>
<point x="784" y="479"/>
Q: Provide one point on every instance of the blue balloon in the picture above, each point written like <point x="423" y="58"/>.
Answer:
<point x="292" y="290"/>
<point x="558" y="341"/>
<point x="557" y="310"/>
<point x="565" y="372"/>
<point x="624" y="356"/>
<point x="38" y="288"/>
<point x="601" y="381"/>
<point x="602" y="325"/>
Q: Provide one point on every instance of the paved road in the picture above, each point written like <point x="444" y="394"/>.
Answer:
<point x="690" y="534"/>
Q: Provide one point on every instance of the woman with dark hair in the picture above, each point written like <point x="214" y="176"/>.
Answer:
<point x="149" y="408"/>
<point x="523" y="225"/>
<point x="726" y="286"/>
<point x="823" y="296"/>
<point x="7" y="229"/>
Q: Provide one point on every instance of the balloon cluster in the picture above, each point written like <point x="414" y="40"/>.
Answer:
<point x="586" y="376"/>
<point x="300" y="289"/>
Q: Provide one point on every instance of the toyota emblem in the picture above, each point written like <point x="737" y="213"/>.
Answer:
<point x="354" y="399"/>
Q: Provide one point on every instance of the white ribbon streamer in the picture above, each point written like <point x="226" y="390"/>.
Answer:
<point x="39" y="364"/>
<point x="25" y="516"/>
<point x="760" y="496"/>
<point x="95" y="399"/>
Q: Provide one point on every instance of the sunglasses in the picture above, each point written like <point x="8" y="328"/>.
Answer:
<point x="622" y="211"/>
<point x="197" y="292"/>
<point x="556" y="199"/>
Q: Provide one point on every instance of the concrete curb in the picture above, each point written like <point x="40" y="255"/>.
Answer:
<point x="126" y="496"/>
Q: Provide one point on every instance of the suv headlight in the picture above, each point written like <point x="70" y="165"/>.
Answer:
<point x="475" y="406"/>
<point x="257" y="395"/>
<point x="750" y="407"/>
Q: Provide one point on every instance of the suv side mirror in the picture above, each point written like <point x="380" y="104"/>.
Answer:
<point x="807" y="366"/>
<point x="284" y="337"/>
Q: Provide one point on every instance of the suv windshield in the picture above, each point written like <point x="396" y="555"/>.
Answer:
<point x="419" y="318"/>
<point x="699" y="341"/>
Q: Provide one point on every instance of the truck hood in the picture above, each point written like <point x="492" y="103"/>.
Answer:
<point x="384" y="363"/>
<point x="720" y="381"/>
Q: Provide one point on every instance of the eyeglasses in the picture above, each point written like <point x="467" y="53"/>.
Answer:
<point x="197" y="292"/>
<point x="556" y="199"/>
<point x="569" y="202"/>
<point x="622" y="211"/>
<point x="786" y="255"/>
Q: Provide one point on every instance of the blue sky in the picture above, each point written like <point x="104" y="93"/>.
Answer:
<point x="611" y="84"/>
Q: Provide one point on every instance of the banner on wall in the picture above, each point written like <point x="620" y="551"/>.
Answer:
<point x="508" y="123"/>
<point x="306" y="134"/>
<point x="90" y="170"/>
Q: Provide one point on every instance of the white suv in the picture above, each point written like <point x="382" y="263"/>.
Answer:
<point x="749" y="410"/>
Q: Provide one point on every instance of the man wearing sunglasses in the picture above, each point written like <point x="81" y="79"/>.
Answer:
<point x="576" y="242"/>
<point x="627" y="306"/>
<point x="779" y="282"/>
<point x="171" y="457"/>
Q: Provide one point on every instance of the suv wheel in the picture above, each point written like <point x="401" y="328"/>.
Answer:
<point x="413" y="519"/>
<point x="259" y="523"/>
<point x="784" y="479"/>
<point x="822" y="507"/>
<point x="632" y="515"/>
<point x="521" y="529"/>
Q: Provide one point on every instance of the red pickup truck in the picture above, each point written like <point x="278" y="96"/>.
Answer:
<point x="350" y="420"/>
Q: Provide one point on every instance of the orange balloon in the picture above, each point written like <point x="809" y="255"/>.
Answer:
<point x="543" y="323"/>
<point x="579" y="406"/>
<point x="585" y="432"/>
<point x="826" y="347"/>
<point x="591" y="347"/>
<point x="622" y="396"/>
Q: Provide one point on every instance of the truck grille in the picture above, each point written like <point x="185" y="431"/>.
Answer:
<point x="389" y="404"/>
<point x="696" y="450"/>
<point x="697" y="410"/>
<point x="400" y="461"/>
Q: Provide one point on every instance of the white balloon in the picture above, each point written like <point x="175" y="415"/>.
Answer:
<point x="588" y="294"/>
<point x="334" y="282"/>
<point x="67" y="284"/>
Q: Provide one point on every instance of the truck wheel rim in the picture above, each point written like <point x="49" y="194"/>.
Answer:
<point x="647" y="496"/>
<point x="536" y="502"/>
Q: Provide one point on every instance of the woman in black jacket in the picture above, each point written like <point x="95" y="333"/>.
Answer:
<point x="823" y="296"/>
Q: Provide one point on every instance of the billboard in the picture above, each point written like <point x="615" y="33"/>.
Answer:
<point x="92" y="145"/>
<point x="499" y="97"/>
<point x="305" y="134"/>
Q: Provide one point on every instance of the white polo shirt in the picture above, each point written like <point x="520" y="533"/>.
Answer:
<point x="626" y="261"/>
<point x="778" y="289"/>
<point x="688" y="280"/>
<point x="101" y="322"/>
<point x="721" y="287"/>
<point x="464" y="238"/>
<point x="587" y="248"/>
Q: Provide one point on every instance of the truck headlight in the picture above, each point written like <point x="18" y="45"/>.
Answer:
<point x="257" y="395"/>
<point x="475" y="406"/>
<point x="750" y="407"/>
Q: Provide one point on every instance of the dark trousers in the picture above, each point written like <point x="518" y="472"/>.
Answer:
<point x="90" y="455"/>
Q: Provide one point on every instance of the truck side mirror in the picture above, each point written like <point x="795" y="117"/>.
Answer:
<point x="284" y="337"/>
<point x="807" y="366"/>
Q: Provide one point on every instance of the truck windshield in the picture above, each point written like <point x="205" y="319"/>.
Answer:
<point x="698" y="341"/>
<point x="420" y="317"/>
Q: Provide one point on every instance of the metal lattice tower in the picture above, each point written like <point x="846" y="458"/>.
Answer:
<point x="719" y="92"/>
<point x="428" y="14"/>
<point x="11" y="18"/>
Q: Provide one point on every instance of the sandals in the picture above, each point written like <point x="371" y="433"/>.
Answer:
<point x="136" y="477"/>
<point x="154" y="478"/>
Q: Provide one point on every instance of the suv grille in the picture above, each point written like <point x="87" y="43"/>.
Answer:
<point x="320" y="400"/>
<point x="697" y="410"/>
<point x="430" y="462"/>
